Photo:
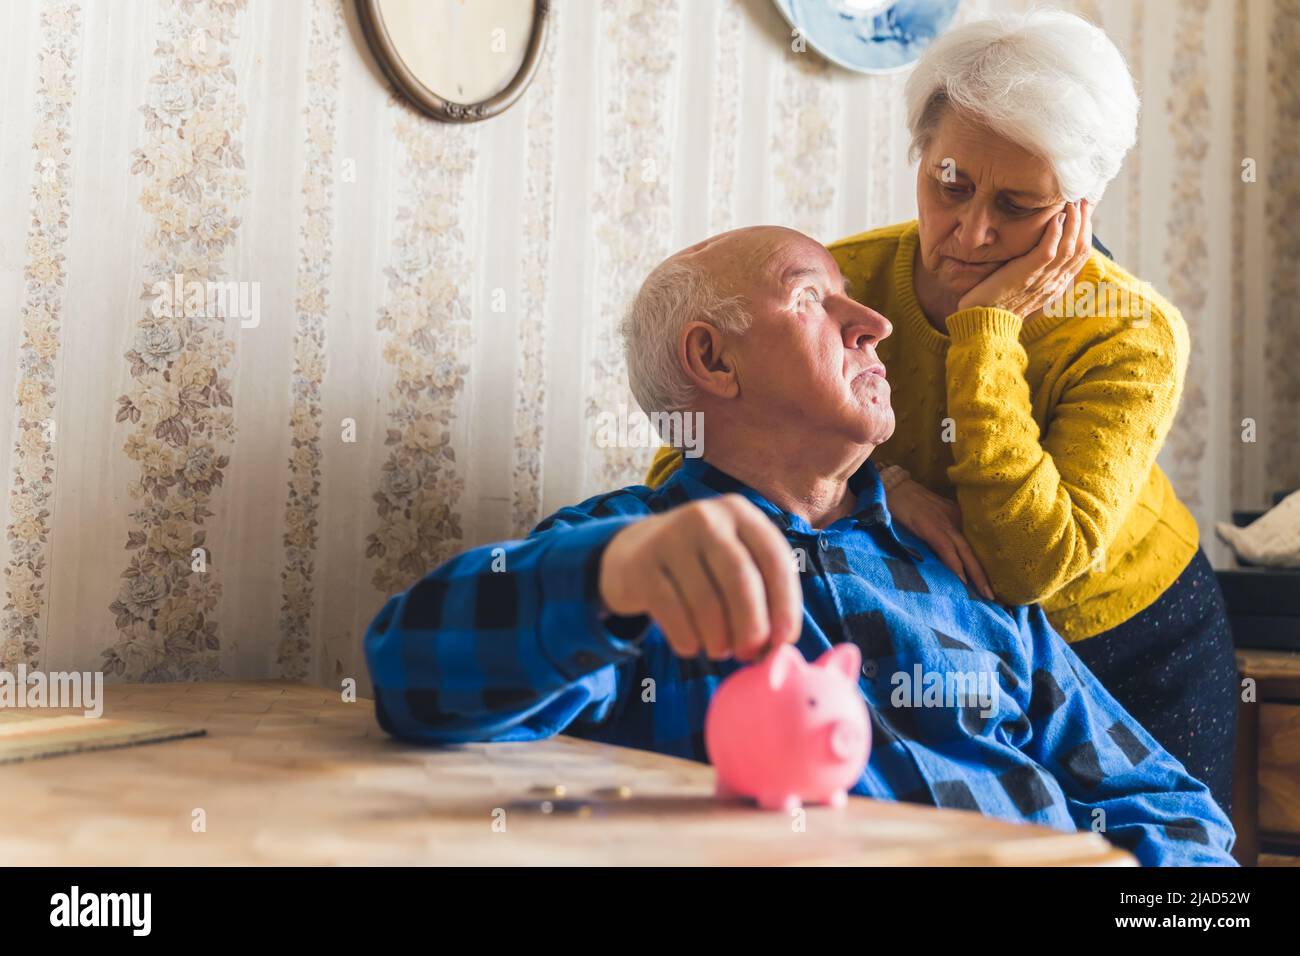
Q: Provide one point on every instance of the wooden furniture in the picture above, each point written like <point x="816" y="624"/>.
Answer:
<point x="290" y="774"/>
<point x="1264" y="614"/>
<point x="1266" y="773"/>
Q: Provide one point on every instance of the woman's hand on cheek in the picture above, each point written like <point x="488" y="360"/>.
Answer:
<point x="1044" y="273"/>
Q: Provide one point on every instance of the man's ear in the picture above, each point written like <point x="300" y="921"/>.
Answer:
<point x="709" y="364"/>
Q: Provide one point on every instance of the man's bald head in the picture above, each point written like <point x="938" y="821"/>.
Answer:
<point x="711" y="281"/>
<point x="708" y="281"/>
<point x="733" y="258"/>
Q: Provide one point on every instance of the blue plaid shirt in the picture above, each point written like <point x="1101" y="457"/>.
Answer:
<point x="510" y="642"/>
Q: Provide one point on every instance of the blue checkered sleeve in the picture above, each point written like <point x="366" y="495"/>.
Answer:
<point x="1116" y="777"/>
<point x="507" y="641"/>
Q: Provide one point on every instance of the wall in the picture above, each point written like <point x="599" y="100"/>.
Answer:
<point x="437" y="303"/>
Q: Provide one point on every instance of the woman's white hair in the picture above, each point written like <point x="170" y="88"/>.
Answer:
<point x="1048" y="80"/>
<point x="675" y="294"/>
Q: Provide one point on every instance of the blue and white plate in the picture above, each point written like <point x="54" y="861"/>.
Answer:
<point x="869" y="36"/>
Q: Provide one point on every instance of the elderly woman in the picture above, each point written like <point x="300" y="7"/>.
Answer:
<point x="1034" y="381"/>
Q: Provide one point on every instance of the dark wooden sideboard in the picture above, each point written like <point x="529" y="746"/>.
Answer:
<point x="1264" y="613"/>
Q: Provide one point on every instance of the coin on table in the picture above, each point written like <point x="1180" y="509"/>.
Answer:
<point x="550" y="790"/>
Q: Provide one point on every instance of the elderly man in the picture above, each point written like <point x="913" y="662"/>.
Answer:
<point x="777" y="534"/>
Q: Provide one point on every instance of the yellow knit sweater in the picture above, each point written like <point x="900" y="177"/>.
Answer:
<point x="1045" y="431"/>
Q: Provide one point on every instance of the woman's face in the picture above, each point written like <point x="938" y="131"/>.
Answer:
<point x="981" y="200"/>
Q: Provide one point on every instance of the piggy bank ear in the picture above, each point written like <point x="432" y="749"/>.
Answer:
<point x="781" y="664"/>
<point x="845" y="658"/>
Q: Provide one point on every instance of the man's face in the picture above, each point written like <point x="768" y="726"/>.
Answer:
<point x="981" y="201"/>
<point x="808" y="361"/>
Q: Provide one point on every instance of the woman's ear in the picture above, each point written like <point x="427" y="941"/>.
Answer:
<point x="709" y="364"/>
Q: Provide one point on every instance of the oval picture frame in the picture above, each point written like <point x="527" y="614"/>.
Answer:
<point x="431" y="103"/>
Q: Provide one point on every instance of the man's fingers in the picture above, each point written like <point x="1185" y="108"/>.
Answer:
<point x="695" y="592"/>
<point x="704" y="604"/>
<point x="774" y="560"/>
<point x="671" y="615"/>
<point x="741" y="594"/>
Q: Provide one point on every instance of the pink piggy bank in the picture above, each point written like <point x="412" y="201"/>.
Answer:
<point x="784" y="731"/>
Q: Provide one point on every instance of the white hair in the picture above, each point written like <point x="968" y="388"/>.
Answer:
<point x="1048" y="80"/>
<point x="675" y="294"/>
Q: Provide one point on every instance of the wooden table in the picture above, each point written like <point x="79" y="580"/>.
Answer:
<point x="290" y="774"/>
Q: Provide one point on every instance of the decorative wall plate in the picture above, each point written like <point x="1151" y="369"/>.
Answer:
<point x="869" y="36"/>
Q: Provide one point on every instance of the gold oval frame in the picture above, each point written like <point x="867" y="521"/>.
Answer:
<point x="429" y="102"/>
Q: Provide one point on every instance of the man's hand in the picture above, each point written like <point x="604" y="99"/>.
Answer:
<point x="937" y="521"/>
<point x="1043" y="274"/>
<point x="716" y="575"/>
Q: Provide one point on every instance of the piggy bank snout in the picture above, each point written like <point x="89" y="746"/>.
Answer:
<point x="847" y="739"/>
